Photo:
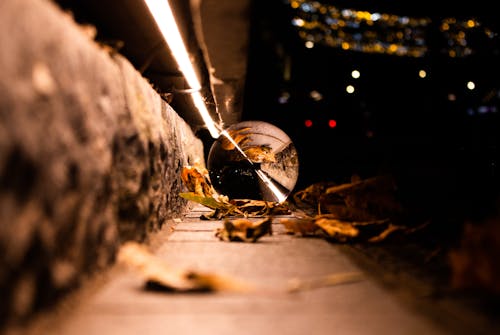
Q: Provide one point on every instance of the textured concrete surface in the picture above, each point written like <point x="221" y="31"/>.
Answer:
<point x="90" y="155"/>
<point x="122" y="306"/>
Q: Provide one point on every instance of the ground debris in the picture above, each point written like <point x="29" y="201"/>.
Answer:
<point x="201" y="191"/>
<point x="360" y="200"/>
<point x="360" y="211"/>
<point x="342" y="230"/>
<point x="243" y="208"/>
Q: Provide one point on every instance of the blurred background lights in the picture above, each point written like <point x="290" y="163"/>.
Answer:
<point x="309" y="44"/>
<point x="407" y="80"/>
<point x="298" y="22"/>
<point x="315" y="95"/>
<point x="284" y="97"/>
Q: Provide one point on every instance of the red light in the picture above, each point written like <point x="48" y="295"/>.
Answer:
<point x="332" y="123"/>
<point x="308" y="123"/>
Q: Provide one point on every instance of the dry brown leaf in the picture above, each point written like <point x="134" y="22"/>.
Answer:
<point x="327" y="225"/>
<point x="301" y="226"/>
<point x="338" y="230"/>
<point x="244" y="230"/>
<point x="158" y="275"/>
<point x="197" y="180"/>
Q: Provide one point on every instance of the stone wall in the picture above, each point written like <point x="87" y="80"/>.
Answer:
<point x="90" y="156"/>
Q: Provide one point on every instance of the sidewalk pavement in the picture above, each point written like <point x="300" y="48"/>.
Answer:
<point x="122" y="305"/>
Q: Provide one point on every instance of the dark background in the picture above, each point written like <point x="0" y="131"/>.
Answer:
<point x="443" y="152"/>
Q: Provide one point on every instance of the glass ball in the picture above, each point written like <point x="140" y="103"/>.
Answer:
<point x="253" y="160"/>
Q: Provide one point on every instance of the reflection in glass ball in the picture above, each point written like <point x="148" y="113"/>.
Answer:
<point x="253" y="160"/>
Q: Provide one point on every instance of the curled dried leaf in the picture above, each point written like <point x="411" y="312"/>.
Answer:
<point x="329" y="226"/>
<point x="159" y="276"/>
<point x="341" y="231"/>
<point x="244" y="230"/>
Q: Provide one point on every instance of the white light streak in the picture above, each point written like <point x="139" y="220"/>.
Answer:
<point x="164" y="18"/>
<point x="269" y="183"/>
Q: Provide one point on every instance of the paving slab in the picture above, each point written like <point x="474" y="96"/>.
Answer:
<point x="122" y="305"/>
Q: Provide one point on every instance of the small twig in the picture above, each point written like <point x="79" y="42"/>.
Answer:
<point x="296" y="285"/>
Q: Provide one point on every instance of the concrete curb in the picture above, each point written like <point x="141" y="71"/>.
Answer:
<point x="89" y="156"/>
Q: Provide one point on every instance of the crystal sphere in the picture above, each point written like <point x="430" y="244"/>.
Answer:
<point x="253" y="160"/>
